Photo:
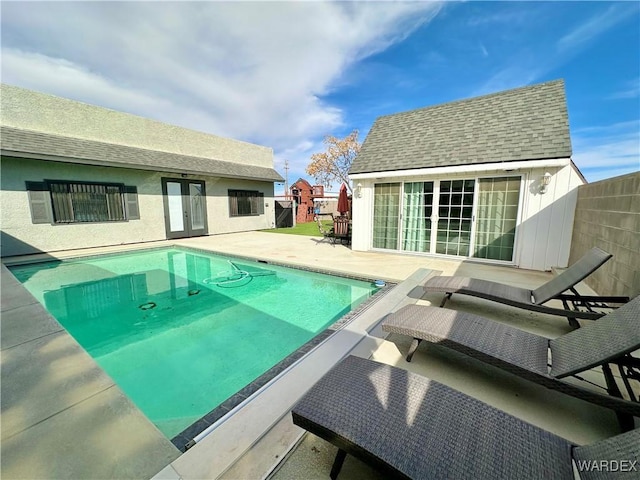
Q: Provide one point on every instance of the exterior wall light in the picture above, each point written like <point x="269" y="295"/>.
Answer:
<point x="359" y="190"/>
<point x="545" y="180"/>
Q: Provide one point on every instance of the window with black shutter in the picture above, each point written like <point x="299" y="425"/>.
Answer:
<point x="61" y="201"/>
<point x="244" y="203"/>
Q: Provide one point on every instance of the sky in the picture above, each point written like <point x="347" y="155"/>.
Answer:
<point x="286" y="74"/>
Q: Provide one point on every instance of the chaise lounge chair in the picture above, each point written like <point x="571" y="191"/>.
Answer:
<point x="610" y="340"/>
<point x="535" y="299"/>
<point x="408" y="426"/>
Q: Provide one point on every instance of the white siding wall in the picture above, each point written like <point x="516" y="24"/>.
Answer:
<point x="21" y="236"/>
<point x="362" y="216"/>
<point x="544" y="234"/>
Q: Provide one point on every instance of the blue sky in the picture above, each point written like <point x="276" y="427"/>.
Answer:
<point x="285" y="74"/>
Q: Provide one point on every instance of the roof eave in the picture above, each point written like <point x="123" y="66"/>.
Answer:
<point x="275" y="177"/>
<point x="474" y="167"/>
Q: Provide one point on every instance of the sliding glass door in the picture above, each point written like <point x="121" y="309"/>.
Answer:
<point x="386" y="209"/>
<point x="416" y="217"/>
<point x="455" y="212"/>
<point x="497" y="213"/>
<point x="464" y="218"/>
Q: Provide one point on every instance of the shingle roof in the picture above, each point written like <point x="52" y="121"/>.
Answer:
<point x="529" y="123"/>
<point x="18" y="142"/>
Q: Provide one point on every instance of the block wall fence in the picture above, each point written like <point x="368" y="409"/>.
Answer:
<point x="608" y="216"/>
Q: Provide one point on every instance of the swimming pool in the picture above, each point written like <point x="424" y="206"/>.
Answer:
<point x="181" y="331"/>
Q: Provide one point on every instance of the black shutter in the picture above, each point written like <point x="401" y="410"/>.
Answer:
<point x="131" y="202"/>
<point x="39" y="202"/>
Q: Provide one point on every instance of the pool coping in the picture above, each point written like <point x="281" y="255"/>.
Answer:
<point x="68" y="383"/>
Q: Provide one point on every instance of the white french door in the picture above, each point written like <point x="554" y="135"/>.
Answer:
<point x="184" y="207"/>
<point x="463" y="217"/>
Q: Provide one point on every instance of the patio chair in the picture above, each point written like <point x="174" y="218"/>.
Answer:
<point x="341" y="229"/>
<point x="535" y="299"/>
<point x="609" y="341"/>
<point x="324" y="231"/>
<point x="408" y="426"/>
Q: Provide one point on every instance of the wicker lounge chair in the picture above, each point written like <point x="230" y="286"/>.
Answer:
<point x="583" y="306"/>
<point x="408" y="426"/>
<point x="609" y="341"/>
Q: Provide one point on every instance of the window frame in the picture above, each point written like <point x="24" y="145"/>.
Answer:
<point x="74" y="206"/>
<point x="94" y="202"/>
<point x="254" y="197"/>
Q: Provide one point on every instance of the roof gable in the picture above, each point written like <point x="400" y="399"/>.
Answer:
<point x="529" y="123"/>
<point x="301" y="183"/>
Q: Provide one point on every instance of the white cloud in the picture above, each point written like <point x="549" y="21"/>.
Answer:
<point x="252" y="71"/>
<point x="532" y="60"/>
<point x="511" y="76"/>
<point x="630" y="89"/>
<point x="596" y="174"/>
<point x="604" y="152"/>
<point x="504" y="17"/>
<point x="595" y="26"/>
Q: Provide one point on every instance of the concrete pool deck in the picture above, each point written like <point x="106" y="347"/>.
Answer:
<point x="254" y="439"/>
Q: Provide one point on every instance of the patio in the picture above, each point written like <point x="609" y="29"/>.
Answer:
<point x="258" y="439"/>
<point x="312" y="457"/>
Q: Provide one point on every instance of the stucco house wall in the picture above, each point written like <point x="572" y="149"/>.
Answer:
<point x="47" y="138"/>
<point x="21" y="237"/>
<point x="22" y="108"/>
<point x="218" y="202"/>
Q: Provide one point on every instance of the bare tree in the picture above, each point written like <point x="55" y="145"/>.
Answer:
<point x="333" y="164"/>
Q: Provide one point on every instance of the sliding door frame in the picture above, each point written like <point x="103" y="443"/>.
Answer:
<point x="435" y="217"/>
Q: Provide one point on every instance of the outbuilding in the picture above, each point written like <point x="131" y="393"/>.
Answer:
<point x="488" y="178"/>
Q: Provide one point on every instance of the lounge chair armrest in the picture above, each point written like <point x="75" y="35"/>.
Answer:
<point x="589" y="302"/>
<point x="592" y="298"/>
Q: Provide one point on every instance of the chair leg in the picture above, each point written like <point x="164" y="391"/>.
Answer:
<point x="337" y="464"/>
<point x="444" y="300"/>
<point x="573" y="323"/>
<point x="412" y="348"/>
<point x="625" y="420"/>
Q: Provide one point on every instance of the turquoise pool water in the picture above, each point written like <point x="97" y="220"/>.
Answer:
<point x="181" y="331"/>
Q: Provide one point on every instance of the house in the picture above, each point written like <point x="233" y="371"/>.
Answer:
<point x="77" y="175"/>
<point x="304" y="195"/>
<point x="487" y="178"/>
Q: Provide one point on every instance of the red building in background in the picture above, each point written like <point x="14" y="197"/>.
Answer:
<point x="304" y="194"/>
